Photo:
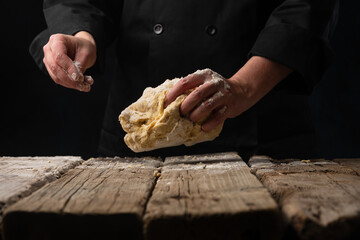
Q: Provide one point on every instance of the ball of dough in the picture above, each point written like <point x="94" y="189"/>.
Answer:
<point x="149" y="126"/>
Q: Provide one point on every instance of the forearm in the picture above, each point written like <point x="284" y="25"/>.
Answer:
<point x="258" y="76"/>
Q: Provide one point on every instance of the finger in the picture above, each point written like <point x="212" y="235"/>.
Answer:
<point x="217" y="118"/>
<point x="59" y="46"/>
<point x="206" y="107"/>
<point x="89" y="80"/>
<point x="197" y="96"/>
<point x="60" y="77"/>
<point x="52" y="75"/>
<point x="57" y="73"/>
<point x="184" y="84"/>
<point x="47" y="63"/>
<point x="81" y="59"/>
<point x="83" y="87"/>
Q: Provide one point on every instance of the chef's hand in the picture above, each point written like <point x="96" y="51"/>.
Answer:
<point x="67" y="57"/>
<point x="227" y="98"/>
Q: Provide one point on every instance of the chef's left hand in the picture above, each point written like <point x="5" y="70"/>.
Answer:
<point x="216" y="101"/>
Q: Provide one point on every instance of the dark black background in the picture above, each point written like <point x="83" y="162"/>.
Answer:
<point x="40" y="118"/>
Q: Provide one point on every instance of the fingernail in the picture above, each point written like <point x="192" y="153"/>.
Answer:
<point x="89" y="80"/>
<point x="83" y="87"/>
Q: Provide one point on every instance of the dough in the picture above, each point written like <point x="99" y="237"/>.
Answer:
<point x="149" y="126"/>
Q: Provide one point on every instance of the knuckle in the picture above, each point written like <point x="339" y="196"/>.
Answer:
<point x="56" y="37"/>
<point x="53" y="38"/>
<point x="198" y="93"/>
<point x="221" y="83"/>
<point x="58" y="57"/>
<point x="210" y="84"/>
<point x="53" y="67"/>
<point x="184" y="83"/>
<point x="208" y="104"/>
<point x="208" y="71"/>
<point x="219" y="95"/>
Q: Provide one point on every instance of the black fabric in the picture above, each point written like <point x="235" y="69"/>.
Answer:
<point x="296" y="35"/>
<point x="292" y="32"/>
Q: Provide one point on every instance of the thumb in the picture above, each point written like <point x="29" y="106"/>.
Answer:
<point x="85" y="52"/>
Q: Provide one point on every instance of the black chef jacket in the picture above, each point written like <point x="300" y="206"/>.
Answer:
<point x="162" y="39"/>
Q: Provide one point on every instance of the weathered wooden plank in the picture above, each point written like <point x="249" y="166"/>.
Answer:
<point x="210" y="197"/>
<point x="353" y="163"/>
<point x="20" y="176"/>
<point x="101" y="199"/>
<point x="320" y="199"/>
<point x="208" y="158"/>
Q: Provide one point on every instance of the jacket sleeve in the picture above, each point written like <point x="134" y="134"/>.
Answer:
<point x="97" y="17"/>
<point x="297" y="35"/>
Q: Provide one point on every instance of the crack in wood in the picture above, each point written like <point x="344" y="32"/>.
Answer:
<point x="193" y="199"/>
<point x="311" y="197"/>
<point x="72" y="194"/>
<point x="151" y="190"/>
<point x="97" y="187"/>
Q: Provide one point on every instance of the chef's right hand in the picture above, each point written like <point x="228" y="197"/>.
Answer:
<point x="67" y="57"/>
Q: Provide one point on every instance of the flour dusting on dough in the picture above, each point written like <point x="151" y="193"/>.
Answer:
<point x="149" y="126"/>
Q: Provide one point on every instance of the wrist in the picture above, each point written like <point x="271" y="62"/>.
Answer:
<point x="240" y="85"/>
<point x="258" y="76"/>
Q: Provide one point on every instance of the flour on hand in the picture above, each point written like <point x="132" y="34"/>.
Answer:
<point x="149" y="126"/>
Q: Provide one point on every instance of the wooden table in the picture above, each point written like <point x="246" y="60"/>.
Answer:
<point x="214" y="196"/>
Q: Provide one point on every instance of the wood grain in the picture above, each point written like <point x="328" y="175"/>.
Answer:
<point x="210" y="197"/>
<point x="101" y="199"/>
<point x="20" y="176"/>
<point x="320" y="199"/>
<point x="353" y="163"/>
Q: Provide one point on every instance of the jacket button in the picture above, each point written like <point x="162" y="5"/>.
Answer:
<point x="211" y="30"/>
<point x="158" y="29"/>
